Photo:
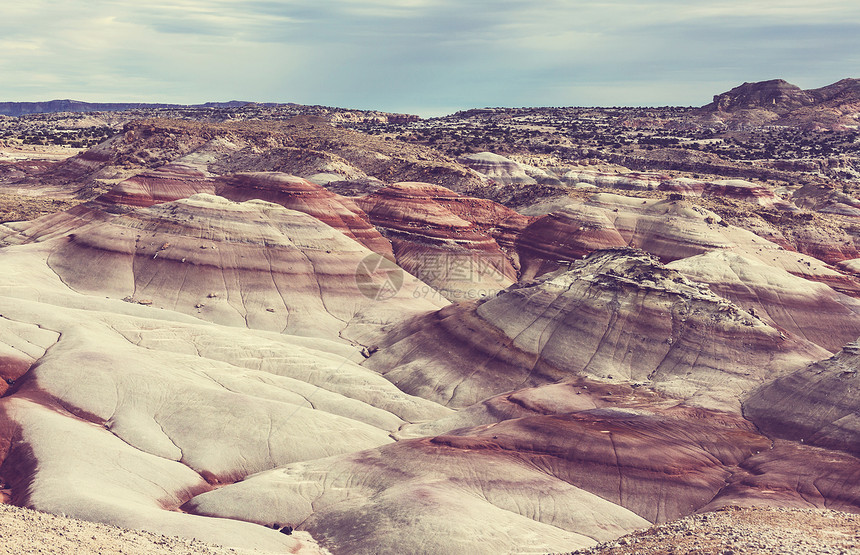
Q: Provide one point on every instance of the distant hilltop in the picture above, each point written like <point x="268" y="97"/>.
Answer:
<point x="778" y="102"/>
<point x="779" y="96"/>
<point x="15" y="109"/>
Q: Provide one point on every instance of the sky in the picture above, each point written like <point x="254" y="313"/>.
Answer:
<point x="427" y="57"/>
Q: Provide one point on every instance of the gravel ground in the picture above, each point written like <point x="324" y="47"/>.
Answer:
<point x="735" y="531"/>
<point x="24" y="531"/>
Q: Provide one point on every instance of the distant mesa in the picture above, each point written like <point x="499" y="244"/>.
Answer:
<point x="15" y="109"/>
<point x="776" y="94"/>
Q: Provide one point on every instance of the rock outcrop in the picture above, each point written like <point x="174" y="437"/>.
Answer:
<point x="645" y="457"/>
<point x="164" y="184"/>
<point x="447" y="240"/>
<point x="727" y="188"/>
<point x="498" y="168"/>
<point x="125" y="410"/>
<point x="812" y="311"/>
<point x="299" y="194"/>
<point x="617" y="315"/>
<point x="816" y="405"/>
<point x="833" y="106"/>
<point x="669" y="229"/>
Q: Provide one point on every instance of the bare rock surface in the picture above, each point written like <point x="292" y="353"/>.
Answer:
<point x="167" y="404"/>
<point x="812" y="311"/>
<point x="498" y="168"/>
<point x="669" y="229"/>
<point x="816" y="405"/>
<point x="637" y="451"/>
<point x="726" y="188"/>
<point x="450" y="499"/>
<point x="617" y="315"/>
<point x="299" y="194"/>
<point x="164" y="184"/>
<point x="778" y="102"/>
<point x="253" y="264"/>
<point x="445" y="239"/>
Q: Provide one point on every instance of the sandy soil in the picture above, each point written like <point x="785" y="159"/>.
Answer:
<point x="18" y="153"/>
<point x="753" y="531"/>
<point x="25" y="531"/>
<point x="16" y="208"/>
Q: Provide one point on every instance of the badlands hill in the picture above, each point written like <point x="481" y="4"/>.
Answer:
<point x="241" y="330"/>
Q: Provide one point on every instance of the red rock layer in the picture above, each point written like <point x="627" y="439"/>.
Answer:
<point x="658" y="467"/>
<point x="299" y="194"/>
<point x="793" y="475"/>
<point x="653" y="456"/>
<point x="615" y="316"/>
<point x="177" y="181"/>
<point x="669" y="229"/>
<point x="11" y="368"/>
<point x="725" y="188"/>
<point x="165" y="184"/>
<point x="564" y="236"/>
<point x="431" y="241"/>
<point x="812" y="311"/>
<point x="251" y="264"/>
<point x="11" y="171"/>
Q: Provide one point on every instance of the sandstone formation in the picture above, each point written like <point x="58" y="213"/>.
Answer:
<point x="302" y="195"/>
<point x="498" y="168"/>
<point x="812" y="311"/>
<point x="617" y="315"/>
<point x="726" y="188"/>
<point x="366" y="499"/>
<point x="253" y="264"/>
<point x="641" y="454"/>
<point x="563" y="236"/>
<point x="165" y="184"/>
<point x="447" y="240"/>
<point x="780" y="102"/>
<point x="669" y="229"/>
<point x="629" y="181"/>
<point x="166" y="404"/>
<point x="177" y="181"/>
<point x="816" y="405"/>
